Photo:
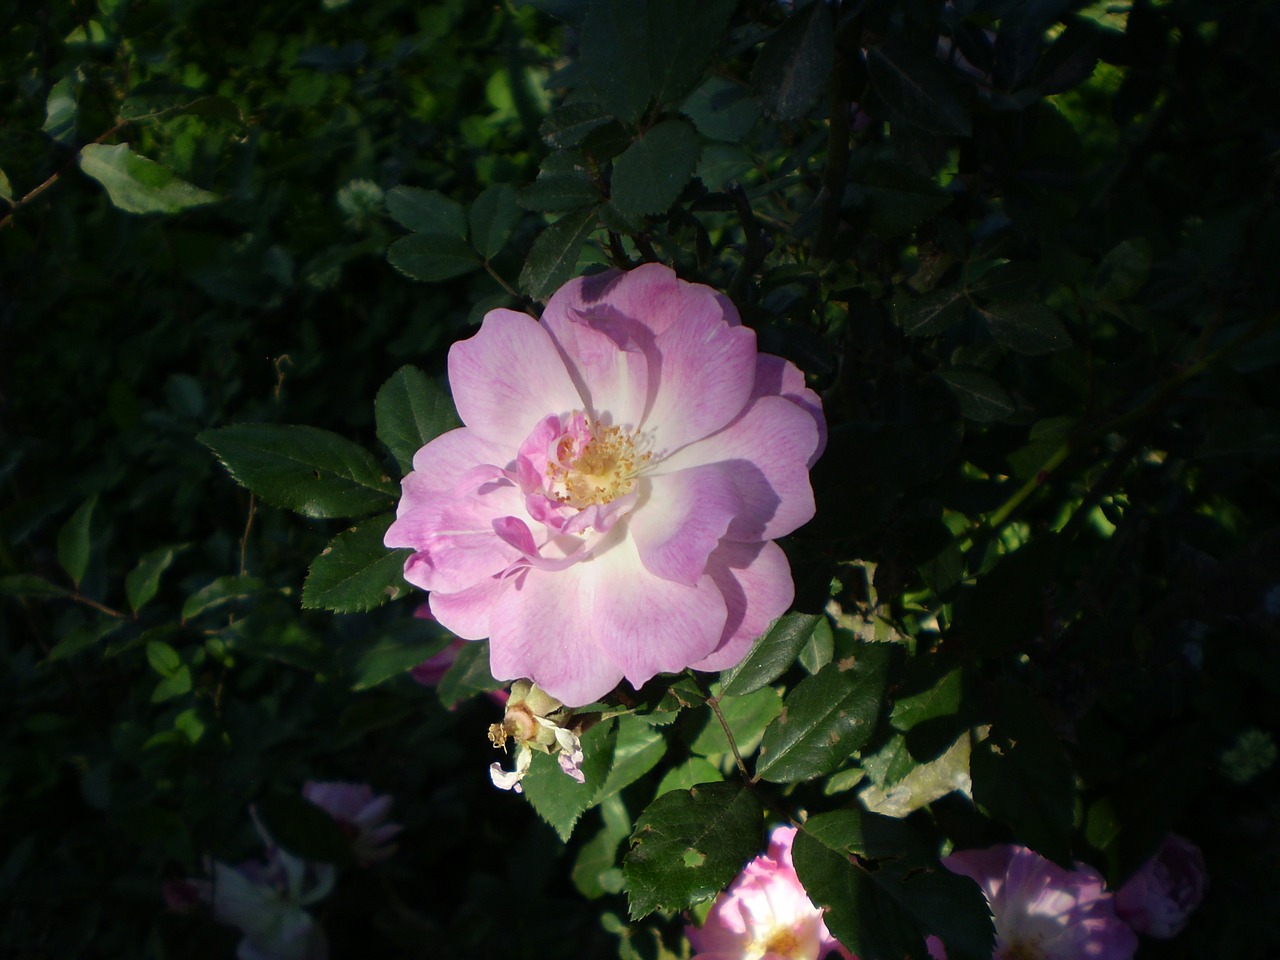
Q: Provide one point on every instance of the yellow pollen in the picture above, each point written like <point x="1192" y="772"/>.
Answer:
<point x="782" y="942"/>
<point x="603" y="470"/>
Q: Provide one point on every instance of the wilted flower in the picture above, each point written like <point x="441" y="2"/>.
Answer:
<point x="535" y="720"/>
<point x="765" y="914"/>
<point x="265" y="901"/>
<point x="1158" y="900"/>
<point x="1042" y="911"/>
<point x="608" y="510"/>
<point x="360" y="814"/>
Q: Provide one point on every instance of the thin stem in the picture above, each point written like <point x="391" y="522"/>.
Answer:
<point x="101" y="608"/>
<point x="511" y="291"/>
<point x="57" y="174"/>
<point x="714" y="704"/>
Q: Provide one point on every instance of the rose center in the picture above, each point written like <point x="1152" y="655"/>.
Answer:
<point x="593" y="464"/>
<point x="782" y="942"/>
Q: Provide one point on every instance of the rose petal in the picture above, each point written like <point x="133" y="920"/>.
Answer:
<point x="755" y="581"/>
<point x="681" y="519"/>
<point x="467" y="612"/>
<point x="508" y="377"/>
<point x="776" y="377"/>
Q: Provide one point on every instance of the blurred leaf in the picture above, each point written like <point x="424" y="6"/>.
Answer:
<point x="1026" y="327"/>
<point x="61" y="109"/>
<point x="138" y="185"/>
<point x="771" y="655"/>
<point x="595" y="871"/>
<point x="162" y="101"/>
<point x="430" y="257"/>
<point x="6" y="188"/>
<point x="163" y="658"/>
<point x="396" y="653"/>
<point x="83" y="637"/>
<point x="1022" y="776"/>
<point x="356" y="572"/>
<point x="30" y="585"/>
<point x="917" y="89"/>
<point x="304" y="469"/>
<point x="827" y="717"/>
<point x="1123" y="271"/>
<point x="223" y="590"/>
<point x="981" y="398"/>
<point x="557" y="797"/>
<point x="651" y="172"/>
<point x="791" y="74"/>
<point x="411" y="411"/>
<point x="143" y="582"/>
<point x="74" y="543"/>
<point x="554" y="256"/>
<point x="687" y="847"/>
<point x="494" y="214"/>
<point x="427" y="211"/>
<point x="176" y="684"/>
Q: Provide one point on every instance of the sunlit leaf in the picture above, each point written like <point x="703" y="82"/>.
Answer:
<point x="138" y="185"/>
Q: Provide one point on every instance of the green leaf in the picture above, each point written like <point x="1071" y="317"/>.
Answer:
<point x="1026" y="327"/>
<point x="557" y="797"/>
<point x="827" y="717"/>
<point x="412" y="410"/>
<point x="639" y="748"/>
<point x="162" y="101"/>
<point x="356" y="572"/>
<point x="398" y="652"/>
<point x="432" y="256"/>
<point x="689" y="846"/>
<point x="304" y="829"/>
<point x="74" y="542"/>
<point x="61" y="108"/>
<point x="223" y="590"/>
<point x="818" y="650"/>
<point x="903" y="791"/>
<point x="30" y="585"/>
<point x="427" y="211"/>
<point x="143" y="582"/>
<point x="792" y="71"/>
<point x="554" y="256"/>
<point x="687" y="775"/>
<point x="651" y="172"/>
<point x="555" y="192"/>
<point x="568" y="126"/>
<point x="138" y="185"/>
<point x="634" y="52"/>
<point x="981" y="398"/>
<point x="1023" y="777"/>
<point x="721" y="110"/>
<point x="176" y="684"/>
<point x="83" y="638"/>
<point x="747" y="717"/>
<point x="771" y="654"/>
<point x="163" y="658"/>
<point x="493" y="217"/>
<point x="1123" y="271"/>
<point x="917" y="89"/>
<point x="596" y="872"/>
<point x="6" y="188"/>
<point x="304" y="469"/>
<point x="940" y="700"/>
<point x="931" y="314"/>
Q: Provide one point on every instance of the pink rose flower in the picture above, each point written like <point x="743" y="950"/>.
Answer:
<point x="361" y="815"/>
<point x="609" y="508"/>
<point x="1043" y="912"/>
<point x="1158" y="900"/>
<point x="765" y="914"/>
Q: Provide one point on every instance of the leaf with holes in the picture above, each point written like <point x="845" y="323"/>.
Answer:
<point x="356" y="572"/>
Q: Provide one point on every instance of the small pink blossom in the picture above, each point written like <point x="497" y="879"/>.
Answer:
<point x="765" y="914"/>
<point x="1042" y="911"/>
<point x="608" y="510"/>
<point x="361" y="814"/>
<point x="1158" y="900"/>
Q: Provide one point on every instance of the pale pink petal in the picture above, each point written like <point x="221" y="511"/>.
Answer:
<point x="441" y="464"/>
<point x="508" y="377"/>
<point x="681" y="518"/>
<point x="706" y="373"/>
<point x="766" y="451"/>
<point x="646" y="624"/>
<point x="651" y="295"/>
<point x="466" y="613"/>
<point x="776" y="377"/>
<point x="608" y="362"/>
<point x="455" y="540"/>
<point x="755" y="581"/>
<point x="541" y="630"/>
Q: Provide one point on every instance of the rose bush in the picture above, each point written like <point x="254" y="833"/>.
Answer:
<point x="609" y="507"/>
